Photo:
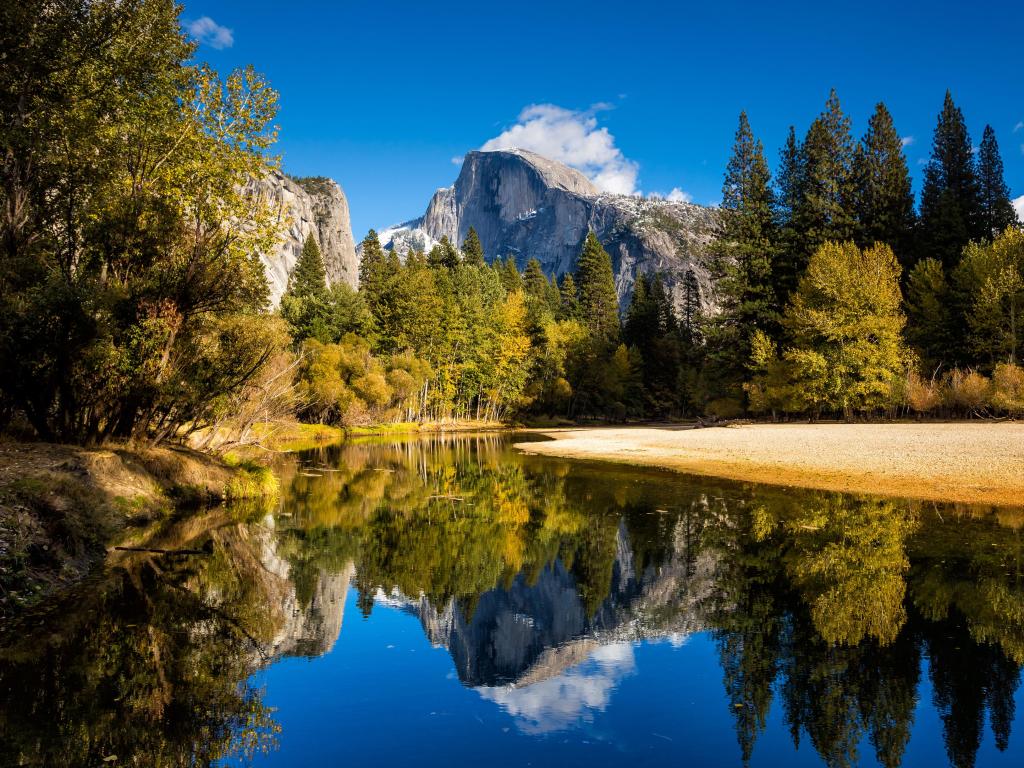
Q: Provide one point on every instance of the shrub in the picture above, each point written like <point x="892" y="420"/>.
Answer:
<point x="923" y="395"/>
<point x="1008" y="389"/>
<point x="968" y="391"/>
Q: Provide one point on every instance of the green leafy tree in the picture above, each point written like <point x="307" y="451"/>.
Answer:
<point x="846" y="352"/>
<point x="135" y="241"/>
<point x="991" y="277"/>
<point x="884" y="198"/>
<point x="848" y="311"/>
<point x="951" y="207"/>
<point x="997" y="210"/>
<point x="599" y="302"/>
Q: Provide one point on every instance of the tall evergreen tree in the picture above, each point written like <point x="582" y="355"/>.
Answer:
<point x="569" y="308"/>
<point x="790" y="261"/>
<point x="599" y="302"/>
<point x="825" y="208"/>
<point x="373" y="267"/>
<point x="304" y="305"/>
<point x="472" y="249"/>
<point x="535" y="283"/>
<point x="884" y="198"/>
<point x="997" y="210"/>
<point x="951" y="211"/>
<point x="444" y="254"/>
<point x="309" y="278"/>
<point x="691" y="307"/>
<point x="511" y="280"/>
<point x="744" y="255"/>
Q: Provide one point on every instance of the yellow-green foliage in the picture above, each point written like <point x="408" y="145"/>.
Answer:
<point x="845" y="323"/>
<point x="1008" y="389"/>
<point x="992" y="274"/>
<point x="250" y="481"/>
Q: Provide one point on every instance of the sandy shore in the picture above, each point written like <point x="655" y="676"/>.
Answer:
<point x="980" y="463"/>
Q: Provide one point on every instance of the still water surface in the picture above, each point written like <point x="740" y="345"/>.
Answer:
<point x="451" y="601"/>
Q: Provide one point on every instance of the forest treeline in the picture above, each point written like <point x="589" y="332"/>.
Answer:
<point x="833" y="296"/>
<point x="134" y="305"/>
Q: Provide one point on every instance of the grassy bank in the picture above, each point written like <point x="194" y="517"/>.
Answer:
<point x="62" y="507"/>
<point x="299" y="437"/>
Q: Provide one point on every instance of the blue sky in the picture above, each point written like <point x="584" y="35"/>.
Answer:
<point x="383" y="96"/>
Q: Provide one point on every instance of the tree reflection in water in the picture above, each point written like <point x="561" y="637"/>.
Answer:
<point x="538" y="576"/>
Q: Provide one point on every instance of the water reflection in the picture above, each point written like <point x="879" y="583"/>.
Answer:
<point x="543" y="580"/>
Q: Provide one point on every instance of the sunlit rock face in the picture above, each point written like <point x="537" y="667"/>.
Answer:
<point x="526" y="206"/>
<point x="303" y="207"/>
<point x="304" y="623"/>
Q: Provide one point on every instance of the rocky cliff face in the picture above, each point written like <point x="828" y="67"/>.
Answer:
<point x="307" y="206"/>
<point x="527" y="206"/>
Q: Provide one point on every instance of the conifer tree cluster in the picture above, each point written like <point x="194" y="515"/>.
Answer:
<point x="832" y="259"/>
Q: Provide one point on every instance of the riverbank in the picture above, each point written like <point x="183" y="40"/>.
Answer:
<point x="972" y="463"/>
<point x="62" y="507"/>
<point x="300" y="436"/>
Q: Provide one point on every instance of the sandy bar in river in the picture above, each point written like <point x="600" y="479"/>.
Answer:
<point x="974" y="463"/>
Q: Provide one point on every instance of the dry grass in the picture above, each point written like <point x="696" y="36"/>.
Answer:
<point x="973" y="463"/>
<point x="61" y="506"/>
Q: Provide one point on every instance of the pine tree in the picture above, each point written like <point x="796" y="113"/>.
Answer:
<point x="373" y="267"/>
<point x="535" y="283"/>
<point x="569" y="299"/>
<point x="599" y="302"/>
<point x="790" y="261"/>
<point x="997" y="210"/>
<point x="304" y="305"/>
<point x="951" y="211"/>
<point x="744" y="255"/>
<point x="639" y="324"/>
<point x="443" y="255"/>
<point x="691" y="307"/>
<point x="309" y="278"/>
<point x="825" y="209"/>
<point x="472" y="249"/>
<point x="885" y="200"/>
<point x="511" y="280"/>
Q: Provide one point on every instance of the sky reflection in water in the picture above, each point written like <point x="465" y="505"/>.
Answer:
<point x="430" y="602"/>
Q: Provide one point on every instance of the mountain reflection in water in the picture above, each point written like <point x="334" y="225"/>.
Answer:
<point x="854" y="630"/>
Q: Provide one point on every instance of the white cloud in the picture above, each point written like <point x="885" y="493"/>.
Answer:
<point x="922" y="161"/>
<point x="565" y="700"/>
<point x="457" y="160"/>
<point x="572" y="137"/>
<point x="975" y="150"/>
<point x="1018" y="206"/>
<point x="209" y="32"/>
<point x="679" y="196"/>
<point x="1018" y="126"/>
<point x="906" y="141"/>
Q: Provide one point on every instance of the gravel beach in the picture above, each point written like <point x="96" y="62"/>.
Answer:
<point x="980" y="463"/>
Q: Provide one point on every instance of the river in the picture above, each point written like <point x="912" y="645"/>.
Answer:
<point x="430" y="602"/>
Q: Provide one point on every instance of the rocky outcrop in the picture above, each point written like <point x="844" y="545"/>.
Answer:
<point x="526" y="206"/>
<point x="305" y="206"/>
